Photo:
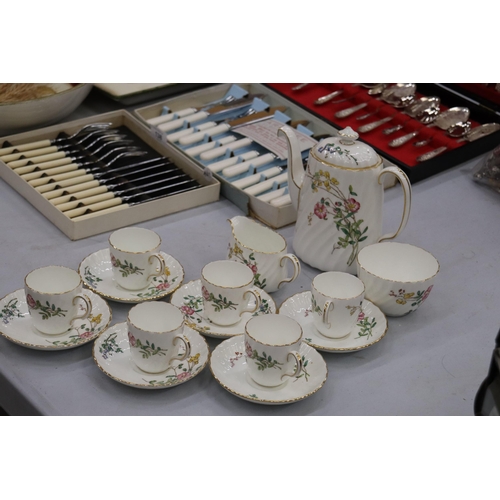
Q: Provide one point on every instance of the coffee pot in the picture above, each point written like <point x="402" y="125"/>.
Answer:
<point x="339" y="199"/>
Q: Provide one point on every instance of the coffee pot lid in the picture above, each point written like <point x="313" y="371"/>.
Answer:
<point x="345" y="151"/>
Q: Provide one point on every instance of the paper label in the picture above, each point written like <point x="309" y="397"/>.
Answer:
<point x="208" y="173"/>
<point x="265" y="133"/>
<point x="159" y="135"/>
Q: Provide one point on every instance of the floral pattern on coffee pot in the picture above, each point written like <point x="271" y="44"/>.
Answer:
<point x="339" y="199"/>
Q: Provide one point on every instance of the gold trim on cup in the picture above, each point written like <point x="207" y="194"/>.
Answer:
<point x="227" y="287"/>
<point x="276" y="345"/>
<point x="135" y="253"/>
<point x="156" y="333"/>
<point x="254" y="249"/>
<point x="338" y="298"/>
<point x="53" y="293"/>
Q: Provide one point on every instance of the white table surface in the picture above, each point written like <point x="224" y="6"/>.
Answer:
<point x="431" y="362"/>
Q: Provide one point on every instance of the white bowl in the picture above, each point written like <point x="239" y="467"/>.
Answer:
<point x="398" y="277"/>
<point x="27" y="115"/>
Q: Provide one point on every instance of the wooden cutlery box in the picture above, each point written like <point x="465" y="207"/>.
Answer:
<point x="273" y="216"/>
<point x="404" y="157"/>
<point x="100" y="223"/>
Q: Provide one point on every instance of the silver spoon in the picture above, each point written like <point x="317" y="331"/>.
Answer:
<point x="424" y="109"/>
<point x="453" y="120"/>
<point x="399" y="95"/>
<point x="374" y="89"/>
<point x="300" y="86"/>
<point x="473" y="135"/>
<point x="328" y="97"/>
<point x="450" y="117"/>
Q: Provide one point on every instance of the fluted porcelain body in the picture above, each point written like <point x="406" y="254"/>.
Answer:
<point x="339" y="200"/>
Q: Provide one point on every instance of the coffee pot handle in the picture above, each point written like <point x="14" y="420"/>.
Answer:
<point x="405" y="184"/>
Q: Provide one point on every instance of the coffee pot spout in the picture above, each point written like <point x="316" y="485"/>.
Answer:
<point x="295" y="167"/>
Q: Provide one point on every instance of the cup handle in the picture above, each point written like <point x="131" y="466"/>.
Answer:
<point x="88" y="307"/>
<point x="161" y="260"/>
<point x="187" y="346"/>
<point x="298" y="365"/>
<point x="405" y="184"/>
<point x="329" y="306"/>
<point x="258" y="301"/>
<point x="296" y="267"/>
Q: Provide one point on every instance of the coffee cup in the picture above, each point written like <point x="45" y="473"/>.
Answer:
<point x="134" y="253"/>
<point x="272" y="344"/>
<point x="336" y="299"/>
<point x="226" y="289"/>
<point x="264" y="251"/>
<point x="54" y="296"/>
<point x="155" y="336"/>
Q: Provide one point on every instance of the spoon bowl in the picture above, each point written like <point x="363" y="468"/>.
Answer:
<point x="450" y="117"/>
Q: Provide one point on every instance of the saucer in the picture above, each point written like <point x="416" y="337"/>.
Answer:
<point x="370" y="328"/>
<point x="188" y="298"/>
<point x="228" y="366"/>
<point x="16" y="324"/>
<point x="111" y="352"/>
<point x="97" y="274"/>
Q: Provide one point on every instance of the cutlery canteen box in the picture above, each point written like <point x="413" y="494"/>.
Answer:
<point x="289" y="112"/>
<point x="405" y="157"/>
<point x="110" y="220"/>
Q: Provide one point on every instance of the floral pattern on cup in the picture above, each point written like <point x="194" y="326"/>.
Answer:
<point x="364" y="323"/>
<point x="182" y="372"/>
<point x="340" y="208"/>
<point x="10" y="311"/>
<point x="236" y="252"/>
<point x="126" y="268"/>
<point x="83" y="332"/>
<point x="193" y="312"/>
<point x="416" y="298"/>
<point x="265" y="361"/>
<point x="47" y="311"/>
<point x="315" y="308"/>
<point x="218" y="303"/>
<point x="158" y="285"/>
<point x="147" y="349"/>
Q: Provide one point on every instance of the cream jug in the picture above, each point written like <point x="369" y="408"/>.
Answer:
<point x="339" y="199"/>
<point x="264" y="251"/>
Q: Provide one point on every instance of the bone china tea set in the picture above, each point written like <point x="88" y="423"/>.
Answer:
<point x="267" y="355"/>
